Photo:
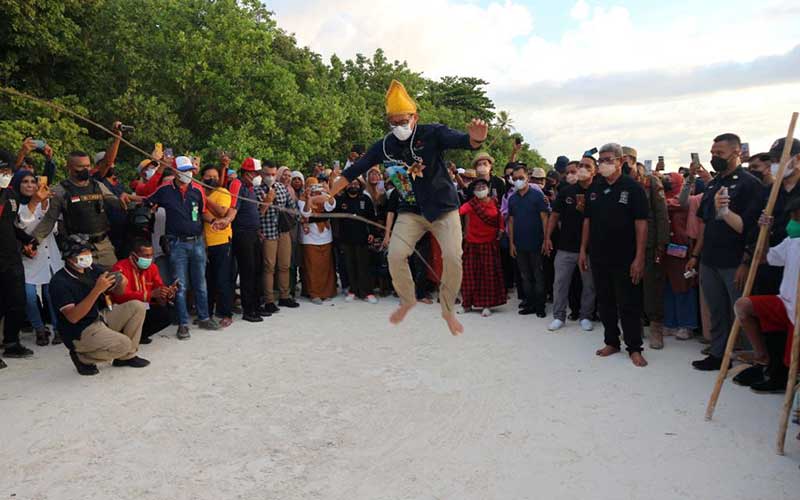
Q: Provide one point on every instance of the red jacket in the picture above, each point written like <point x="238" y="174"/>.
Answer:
<point x="140" y="283"/>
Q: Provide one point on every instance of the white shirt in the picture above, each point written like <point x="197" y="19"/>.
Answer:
<point x="315" y="236"/>
<point x="159" y="227"/>
<point x="47" y="261"/>
<point x="787" y="254"/>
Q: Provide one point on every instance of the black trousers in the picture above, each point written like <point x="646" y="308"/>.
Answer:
<point x="575" y="291"/>
<point x="532" y="276"/>
<point x="12" y="301"/>
<point x="157" y="318"/>
<point x="357" y="264"/>
<point x="619" y="301"/>
<point x="247" y="249"/>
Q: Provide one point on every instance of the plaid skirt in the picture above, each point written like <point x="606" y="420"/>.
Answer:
<point x="483" y="284"/>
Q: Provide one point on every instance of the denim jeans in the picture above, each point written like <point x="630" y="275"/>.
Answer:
<point x="188" y="261"/>
<point x="32" y="306"/>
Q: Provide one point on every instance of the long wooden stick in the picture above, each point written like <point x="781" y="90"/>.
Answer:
<point x="792" y="380"/>
<point x="763" y="238"/>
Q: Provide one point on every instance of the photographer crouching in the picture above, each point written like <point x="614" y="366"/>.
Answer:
<point x="92" y="330"/>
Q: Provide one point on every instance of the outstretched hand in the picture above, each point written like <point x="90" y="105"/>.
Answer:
<point x="478" y="130"/>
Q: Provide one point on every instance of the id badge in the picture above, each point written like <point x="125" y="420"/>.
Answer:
<point x="195" y="214"/>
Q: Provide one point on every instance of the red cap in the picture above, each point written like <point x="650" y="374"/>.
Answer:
<point x="251" y="165"/>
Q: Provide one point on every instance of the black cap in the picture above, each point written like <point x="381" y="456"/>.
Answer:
<point x="561" y="164"/>
<point x="357" y="148"/>
<point x="6" y="159"/>
<point x="553" y="175"/>
<point x="75" y="244"/>
<point x="776" y="150"/>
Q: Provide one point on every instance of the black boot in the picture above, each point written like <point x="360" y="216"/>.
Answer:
<point x="83" y="368"/>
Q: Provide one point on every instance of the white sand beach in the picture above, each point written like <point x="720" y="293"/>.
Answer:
<point x="334" y="403"/>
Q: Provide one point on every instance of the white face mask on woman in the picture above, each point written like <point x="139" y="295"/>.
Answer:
<point x="481" y="193"/>
<point x="84" y="261"/>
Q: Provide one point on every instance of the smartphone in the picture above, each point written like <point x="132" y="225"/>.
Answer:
<point x="40" y="144"/>
<point x="745" y="150"/>
<point x="591" y="152"/>
<point x="695" y="159"/>
<point x="42" y="179"/>
<point x="648" y="166"/>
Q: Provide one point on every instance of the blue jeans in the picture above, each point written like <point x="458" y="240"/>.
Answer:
<point x="32" y="306"/>
<point x="220" y="286"/>
<point x="680" y="309"/>
<point x="188" y="261"/>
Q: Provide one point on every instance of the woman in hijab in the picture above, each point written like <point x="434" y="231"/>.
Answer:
<point x="483" y="286"/>
<point x="318" y="271"/>
<point x="35" y="199"/>
<point x="680" y="294"/>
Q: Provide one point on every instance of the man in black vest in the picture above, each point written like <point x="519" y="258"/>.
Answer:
<point x="81" y="201"/>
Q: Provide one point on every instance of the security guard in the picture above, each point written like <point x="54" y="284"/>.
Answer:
<point x="615" y="239"/>
<point x="12" y="293"/>
<point x="80" y="202"/>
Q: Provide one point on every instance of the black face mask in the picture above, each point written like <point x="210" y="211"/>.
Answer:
<point x="626" y="169"/>
<point x="719" y="164"/>
<point x="353" y="191"/>
<point x="757" y="174"/>
<point x="667" y="183"/>
<point x="211" y="182"/>
<point x="82" y="175"/>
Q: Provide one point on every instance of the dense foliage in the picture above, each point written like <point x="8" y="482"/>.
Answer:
<point x="203" y="75"/>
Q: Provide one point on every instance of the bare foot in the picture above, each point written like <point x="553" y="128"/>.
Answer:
<point x="638" y="359"/>
<point x="607" y="351"/>
<point x="400" y="313"/>
<point x="455" y="326"/>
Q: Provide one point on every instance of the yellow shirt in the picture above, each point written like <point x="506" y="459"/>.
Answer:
<point x="221" y="197"/>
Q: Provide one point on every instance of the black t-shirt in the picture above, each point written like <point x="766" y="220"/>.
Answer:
<point x="10" y="234"/>
<point x="68" y="287"/>
<point x="722" y="246"/>
<point x="570" y="205"/>
<point x="397" y="204"/>
<point x="613" y="211"/>
<point x="497" y="189"/>
<point x="354" y="231"/>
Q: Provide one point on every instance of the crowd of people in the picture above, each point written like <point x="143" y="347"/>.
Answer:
<point x="605" y="238"/>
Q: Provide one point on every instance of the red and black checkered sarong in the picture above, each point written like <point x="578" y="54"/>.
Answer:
<point x="483" y="284"/>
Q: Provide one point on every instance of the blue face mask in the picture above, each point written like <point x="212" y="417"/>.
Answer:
<point x="793" y="228"/>
<point x="143" y="263"/>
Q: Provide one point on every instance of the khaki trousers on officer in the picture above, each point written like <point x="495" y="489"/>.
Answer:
<point x="103" y="253"/>
<point x="277" y="254"/>
<point x="407" y="231"/>
<point x="101" y="342"/>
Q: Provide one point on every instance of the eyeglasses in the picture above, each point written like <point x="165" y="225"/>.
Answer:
<point x="607" y="160"/>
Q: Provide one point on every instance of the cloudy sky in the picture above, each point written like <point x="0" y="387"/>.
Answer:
<point x="664" y="77"/>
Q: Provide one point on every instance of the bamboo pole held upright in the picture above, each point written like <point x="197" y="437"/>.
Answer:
<point x="763" y="238"/>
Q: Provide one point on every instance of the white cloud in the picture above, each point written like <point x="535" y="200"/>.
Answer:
<point x="604" y="72"/>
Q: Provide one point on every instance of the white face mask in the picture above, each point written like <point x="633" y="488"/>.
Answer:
<point x="269" y="180"/>
<point x="483" y="170"/>
<point x="84" y="261"/>
<point x="572" y="178"/>
<point x="607" y="170"/>
<point x="149" y="173"/>
<point x="5" y="180"/>
<point x="583" y="174"/>
<point x="787" y="172"/>
<point x="402" y="132"/>
<point x="481" y="194"/>
<point x="184" y="177"/>
<point x="256" y="181"/>
<point x="520" y="183"/>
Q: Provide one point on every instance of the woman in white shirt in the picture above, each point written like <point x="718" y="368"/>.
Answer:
<point x="318" y="271"/>
<point x="46" y="262"/>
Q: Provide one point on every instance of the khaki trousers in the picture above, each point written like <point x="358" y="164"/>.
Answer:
<point x="277" y="253"/>
<point x="102" y="341"/>
<point x="407" y="231"/>
<point x="103" y="253"/>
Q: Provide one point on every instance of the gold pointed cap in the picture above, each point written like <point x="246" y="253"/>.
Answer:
<point x="398" y="101"/>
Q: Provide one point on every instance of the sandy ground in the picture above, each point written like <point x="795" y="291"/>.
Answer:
<point x="333" y="403"/>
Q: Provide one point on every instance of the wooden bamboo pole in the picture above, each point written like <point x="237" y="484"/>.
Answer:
<point x="763" y="238"/>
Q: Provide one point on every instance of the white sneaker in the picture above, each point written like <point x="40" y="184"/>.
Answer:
<point x="316" y="301"/>
<point x="486" y="312"/>
<point x="587" y="325"/>
<point x="372" y="299"/>
<point x="350" y="297"/>
<point x="460" y="310"/>
<point x="555" y="325"/>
